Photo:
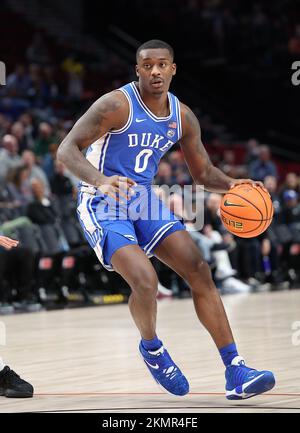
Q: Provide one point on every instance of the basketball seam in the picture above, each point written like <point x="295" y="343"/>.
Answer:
<point x="243" y="218"/>
<point x="271" y="208"/>
<point x="249" y="231"/>
<point x="240" y="196"/>
<point x="265" y="228"/>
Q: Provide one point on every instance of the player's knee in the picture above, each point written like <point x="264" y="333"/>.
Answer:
<point x="145" y="285"/>
<point x="199" y="271"/>
<point x="201" y="281"/>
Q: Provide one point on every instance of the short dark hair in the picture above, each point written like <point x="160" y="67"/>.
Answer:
<point x="154" y="43"/>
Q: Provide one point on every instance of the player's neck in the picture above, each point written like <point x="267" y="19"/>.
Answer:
<point x="157" y="104"/>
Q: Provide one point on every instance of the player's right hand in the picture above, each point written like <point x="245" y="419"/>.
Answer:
<point x="117" y="187"/>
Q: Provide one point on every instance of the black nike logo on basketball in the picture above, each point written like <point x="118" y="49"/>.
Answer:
<point x="228" y="203"/>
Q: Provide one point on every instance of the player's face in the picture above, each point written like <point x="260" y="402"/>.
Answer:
<point x="155" y="70"/>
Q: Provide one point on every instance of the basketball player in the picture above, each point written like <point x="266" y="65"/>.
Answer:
<point x="11" y="385"/>
<point x="127" y="131"/>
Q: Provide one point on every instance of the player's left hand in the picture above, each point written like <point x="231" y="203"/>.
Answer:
<point x="8" y="243"/>
<point x="254" y="183"/>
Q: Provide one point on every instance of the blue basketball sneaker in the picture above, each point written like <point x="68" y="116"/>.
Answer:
<point x="165" y="371"/>
<point x="244" y="382"/>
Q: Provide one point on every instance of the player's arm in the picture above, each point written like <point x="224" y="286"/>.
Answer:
<point x="200" y="166"/>
<point x="108" y="113"/>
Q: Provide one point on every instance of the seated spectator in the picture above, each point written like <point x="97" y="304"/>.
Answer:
<point x="9" y="208"/>
<point x="212" y="212"/>
<point x="44" y="139"/>
<point x="25" y="142"/>
<point x="9" y="157"/>
<point x="292" y="182"/>
<point x="270" y="182"/>
<point x="48" y="163"/>
<point x="27" y="121"/>
<point x="228" y="165"/>
<point x="252" y="151"/>
<point x="61" y="184"/>
<point x="19" y="186"/>
<point x="41" y="210"/>
<point x="263" y="167"/>
<point x="5" y="125"/>
<point x="34" y="171"/>
<point x="291" y="207"/>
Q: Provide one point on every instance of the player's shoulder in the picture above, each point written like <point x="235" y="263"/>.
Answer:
<point x="185" y="110"/>
<point x="183" y="107"/>
<point x="189" y="120"/>
<point x="112" y="101"/>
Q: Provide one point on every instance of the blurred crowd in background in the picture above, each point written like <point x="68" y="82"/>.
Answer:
<point x="40" y="102"/>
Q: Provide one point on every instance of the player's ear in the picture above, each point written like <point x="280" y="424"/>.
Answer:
<point x="137" y="70"/>
<point x="174" y="68"/>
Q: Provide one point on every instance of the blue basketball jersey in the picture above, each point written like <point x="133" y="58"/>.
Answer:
<point x="136" y="149"/>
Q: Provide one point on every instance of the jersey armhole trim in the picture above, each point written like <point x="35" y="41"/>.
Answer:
<point x="129" y="120"/>
<point x="178" y="113"/>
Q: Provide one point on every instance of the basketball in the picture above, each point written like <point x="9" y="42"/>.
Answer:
<point x="246" y="210"/>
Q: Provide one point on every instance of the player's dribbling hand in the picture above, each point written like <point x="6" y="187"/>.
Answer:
<point x="117" y="187"/>
<point x="8" y="243"/>
<point x="256" y="183"/>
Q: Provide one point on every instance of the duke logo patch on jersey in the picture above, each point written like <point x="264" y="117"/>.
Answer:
<point x="170" y="133"/>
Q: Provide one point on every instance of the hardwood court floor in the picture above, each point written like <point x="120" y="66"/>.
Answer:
<point x="86" y="360"/>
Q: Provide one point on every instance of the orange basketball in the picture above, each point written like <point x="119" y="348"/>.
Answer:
<point x="246" y="211"/>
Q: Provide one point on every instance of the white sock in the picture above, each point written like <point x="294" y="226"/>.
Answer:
<point x="2" y="365"/>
